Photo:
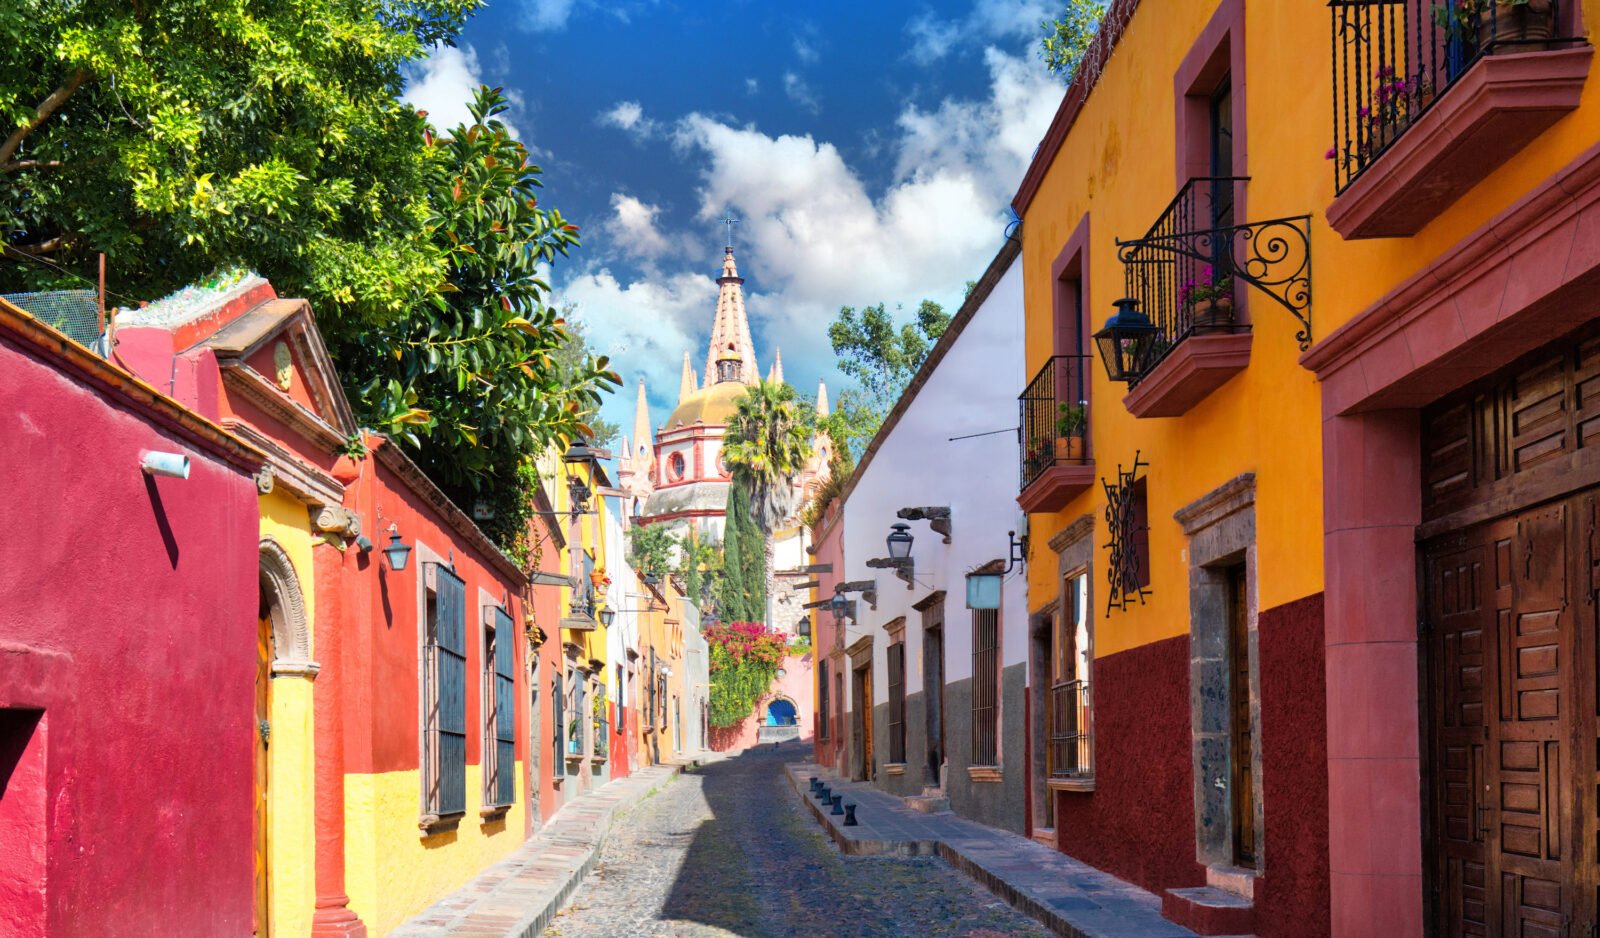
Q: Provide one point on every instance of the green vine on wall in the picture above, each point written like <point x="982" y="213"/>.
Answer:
<point x="744" y="661"/>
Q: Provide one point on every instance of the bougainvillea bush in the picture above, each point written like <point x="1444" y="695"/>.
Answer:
<point x="744" y="660"/>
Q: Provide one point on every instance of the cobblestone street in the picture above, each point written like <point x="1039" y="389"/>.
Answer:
<point x="727" y="851"/>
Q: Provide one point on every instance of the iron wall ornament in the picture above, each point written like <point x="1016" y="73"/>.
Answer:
<point x="1187" y="247"/>
<point x="1122" y="520"/>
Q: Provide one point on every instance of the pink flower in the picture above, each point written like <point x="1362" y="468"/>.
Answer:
<point x="1330" y="154"/>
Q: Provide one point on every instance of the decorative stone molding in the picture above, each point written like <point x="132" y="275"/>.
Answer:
<point x="335" y="520"/>
<point x="896" y="629"/>
<point x="984" y="773"/>
<point x="929" y="601"/>
<point x="291" y="632"/>
<point x="264" y="479"/>
<point x="1076" y="531"/>
<point x="1232" y="496"/>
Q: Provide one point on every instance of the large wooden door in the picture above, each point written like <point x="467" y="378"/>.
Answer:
<point x="1511" y="662"/>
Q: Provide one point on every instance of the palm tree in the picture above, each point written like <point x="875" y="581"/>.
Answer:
<point x="766" y="445"/>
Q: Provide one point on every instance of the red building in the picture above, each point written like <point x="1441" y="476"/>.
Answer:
<point x="129" y="598"/>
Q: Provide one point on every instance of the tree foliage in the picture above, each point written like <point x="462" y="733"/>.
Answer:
<point x="743" y="661"/>
<point x="882" y="359"/>
<point x="1067" y="37"/>
<point x="741" y="590"/>
<point x="766" y="445"/>
<point x="652" y="548"/>
<point x="573" y="358"/>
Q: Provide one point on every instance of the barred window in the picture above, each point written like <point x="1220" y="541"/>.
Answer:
<point x="897" y="702"/>
<point x="444" y="697"/>
<point x="985" y="686"/>
<point x="499" y="711"/>
<point x="1071" y="753"/>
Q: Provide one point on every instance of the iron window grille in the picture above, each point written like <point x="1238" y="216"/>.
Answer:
<point x="500" y="758"/>
<point x="897" y="702"/>
<point x="444" y="675"/>
<point x="1127" y="518"/>
<point x="1188" y="269"/>
<point x="1071" y="753"/>
<point x="1054" y="417"/>
<point x="1393" y="60"/>
<point x="575" y="723"/>
<point x="985" y="686"/>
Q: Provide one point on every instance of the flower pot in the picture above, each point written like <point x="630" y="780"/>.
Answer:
<point x="1200" y="312"/>
<point x="1521" y="28"/>
<point x="1218" y="315"/>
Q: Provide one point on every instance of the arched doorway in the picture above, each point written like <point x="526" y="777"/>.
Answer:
<point x="283" y="648"/>
<point x="782" y="712"/>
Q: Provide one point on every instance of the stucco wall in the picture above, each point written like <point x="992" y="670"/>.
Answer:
<point x="796" y="684"/>
<point x="128" y="611"/>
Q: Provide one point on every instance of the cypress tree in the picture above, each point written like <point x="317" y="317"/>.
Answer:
<point x="742" y="592"/>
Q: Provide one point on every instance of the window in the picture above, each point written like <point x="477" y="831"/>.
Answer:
<point x="601" y="721"/>
<point x="1141" y="537"/>
<point x="499" y="713"/>
<point x="661" y="695"/>
<point x="985" y="686"/>
<point x="575" y="720"/>
<point x="897" y="702"/>
<point x="822" y="704"/>
<point x="676" y="467"/>
<point x="622" y="696"/>
<point x="558" y="717"/>
<point x="650" y="691"/>
<point x="838" y="700"/>
<point x="444" y="698"/>
<point x="1071" y="755"/>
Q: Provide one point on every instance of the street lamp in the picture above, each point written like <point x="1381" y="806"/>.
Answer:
<point x="579" y="454"/>
<point x="398" y="551"/>
<point x="839" y="606"/>
<point x="1125" y="341"/>
<point x="899" y="541"/>
<point x="607" y="615"/>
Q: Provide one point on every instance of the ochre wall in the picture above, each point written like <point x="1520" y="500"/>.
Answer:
<point x="128" y="602"/>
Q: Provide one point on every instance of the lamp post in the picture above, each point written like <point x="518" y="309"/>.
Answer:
<point x="1125" y="341"/>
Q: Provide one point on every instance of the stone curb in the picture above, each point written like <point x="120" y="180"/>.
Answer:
<point x="1077" y="901"/>
<point x="519" y="897"/>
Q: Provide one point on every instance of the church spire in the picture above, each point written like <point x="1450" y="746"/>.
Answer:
<point x="776" y="374"/>
<point x="822" y="398"/>
<point x="731" y="329"/>
<point x="643" y="459"/>
<point x="686" y="384"/>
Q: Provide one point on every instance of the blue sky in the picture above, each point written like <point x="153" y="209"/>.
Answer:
<point x="869" y="149"/>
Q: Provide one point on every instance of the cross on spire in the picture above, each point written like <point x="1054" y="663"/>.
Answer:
<point x="730" y="221"/>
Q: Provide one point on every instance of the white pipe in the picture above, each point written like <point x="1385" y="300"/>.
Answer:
<point x="172" y="465"/>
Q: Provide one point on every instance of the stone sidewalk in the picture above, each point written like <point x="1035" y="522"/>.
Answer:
<point x="1068" y="896"/>
<point x="519" y="896"/>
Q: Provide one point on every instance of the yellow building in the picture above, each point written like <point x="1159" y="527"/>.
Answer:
<point x="1357" y="238"/>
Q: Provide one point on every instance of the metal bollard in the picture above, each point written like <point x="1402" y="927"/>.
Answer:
<point x="849" y="815"/>
<point x="822" y="792"/>
<point x="837" y="801"/>
<point x="813" y="783"/>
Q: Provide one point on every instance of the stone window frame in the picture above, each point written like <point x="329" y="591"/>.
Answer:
<point x="1221" y="530"/>
<point x="1074" y="547"/>
<point x="895" y="632"/>
<point x="291" y="628"/>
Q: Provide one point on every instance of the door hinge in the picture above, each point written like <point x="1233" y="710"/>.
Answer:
<point x="265" y="729"/>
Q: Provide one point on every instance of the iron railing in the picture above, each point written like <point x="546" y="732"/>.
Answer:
<point x="1069" y="730"/>
<point x="1392" y="59"/>
<point x="1054" y="414"/>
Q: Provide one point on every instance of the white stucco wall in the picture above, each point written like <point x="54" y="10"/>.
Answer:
<point x="971" y="391"/>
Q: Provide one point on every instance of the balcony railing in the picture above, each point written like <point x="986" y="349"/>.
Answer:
<point x="1055" y="417"/>
<point x="1069" y="730"/>
<point x="1393" y="58"/>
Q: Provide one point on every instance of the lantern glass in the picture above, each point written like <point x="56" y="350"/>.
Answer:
<point x="839" y="606"/>
<point x="607" y="615"/>
<point x="398" y="551"/>
<point x="1125" y="341"/>
<point x="899" y="542"/>
<point x="983" y="590"/>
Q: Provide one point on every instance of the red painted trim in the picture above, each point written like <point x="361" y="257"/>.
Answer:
<point x="1217" y="53"/>
<point x="1056" y="486"/>
<point x="1197" y="366"/>
<point x="1069" y="274"/>
<point x="332" y="915"/>
<point x="1477" y="126"/>
<point x="1105" y="42"/>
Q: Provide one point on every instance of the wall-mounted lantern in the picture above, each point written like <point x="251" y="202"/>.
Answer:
<point x="983" y="584"/>
<point x="1125" y="341"/>
<point x="398" y="551"/>
<point x="607" y="615"/>
<point x="899" y="541"/>
<point x="578" y="491"/>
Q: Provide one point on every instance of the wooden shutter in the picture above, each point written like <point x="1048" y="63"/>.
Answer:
<point x="558" y="712"/>
<point x="505" y="713"/>
<point x="451" y="661"/>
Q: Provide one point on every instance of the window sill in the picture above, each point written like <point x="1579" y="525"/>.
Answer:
<point x="894" y="768"/>
<point x="1477" y="125"/>
<point x="493" y="813"/>
<point x="1086" y="783"/>
<point x="1191" y="371"/>
<point x="984" y="773"/>
<point x="1053" y="488"/>
<point x="431" y="824"/>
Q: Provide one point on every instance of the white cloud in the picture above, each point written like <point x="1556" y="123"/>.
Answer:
<point x="814" y="235"/>
<point x="1006" y="21"/>
<point x="547" y="15"/>
<point x="751" y="86"/>
<point x="931" y="38"/>
<point x="805" y="51"/>
<point x="632" y="226"/>
<point x="800" y="93"/>
<point x="443" y="85"/>
<point x="628" y="116"/>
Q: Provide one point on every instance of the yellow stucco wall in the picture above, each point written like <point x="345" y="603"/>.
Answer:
<point x="392" y="871"/>
<point x="1118" y="165"/>
<point x="291" y="754"/>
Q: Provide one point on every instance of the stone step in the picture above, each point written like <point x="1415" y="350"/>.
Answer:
<point x="928" y="804"/>
<point x="1207" y="910"/>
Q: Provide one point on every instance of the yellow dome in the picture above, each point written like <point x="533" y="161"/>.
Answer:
<point x="713" y="405"/>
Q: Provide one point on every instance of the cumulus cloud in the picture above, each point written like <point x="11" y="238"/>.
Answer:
<point x="932" y="38"/>
<point x="547" y="15"/>
<point x="632" y="226"/>
<point x="443" y="84"/>
<point x="800" y="93"/>
<point x="814" y="234"/>
<point x="628" y="116"/>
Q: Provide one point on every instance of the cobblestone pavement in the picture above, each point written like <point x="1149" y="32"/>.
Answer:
<point x="726" y="851"/>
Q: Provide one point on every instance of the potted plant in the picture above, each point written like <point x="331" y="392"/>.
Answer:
<point x="1071" y="420"/>
<point x="1221" y="306"/>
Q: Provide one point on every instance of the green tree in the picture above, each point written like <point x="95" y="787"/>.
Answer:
<point x="572" y="361"/>
<point x="182" y="137"/>
<point x="651" y="548"/>
<point x="469" y="380"/>
<point x="741" y="591"/>
<point x="700" y="565"/>
<point x="882" y="359"/>
<point x="1067" y="37"/>
<point x="767" y="443"/>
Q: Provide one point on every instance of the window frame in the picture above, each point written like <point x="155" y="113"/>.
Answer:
<point x="985" y="708"/>
<point x="1072" y="680"/>
<point x="499" y="726"/>
<point x="443" y="791"/>
<point x="895" y="665"/>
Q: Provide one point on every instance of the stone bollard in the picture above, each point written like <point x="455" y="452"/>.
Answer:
<point x="837" y="802"/>
<point x="822" y="792"/>
<point x="813" y="783"/>
<point x="849" y="815"/>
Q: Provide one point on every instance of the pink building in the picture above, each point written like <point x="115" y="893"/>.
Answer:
<point x="782" y="715"/>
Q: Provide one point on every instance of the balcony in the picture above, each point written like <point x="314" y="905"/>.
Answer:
<point x="1430" y="98"/>
<point x="1054" y="434"/>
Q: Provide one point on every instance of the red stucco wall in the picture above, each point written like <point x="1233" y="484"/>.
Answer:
<point x="1138" y="823"/>
<point x="1292" y="894"/>
<point x="126" y="604"/>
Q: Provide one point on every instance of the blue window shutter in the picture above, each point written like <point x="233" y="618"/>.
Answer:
<point x="451" y="596"/>
<point x="505" y="720"/>
<point x="558" y="711"/>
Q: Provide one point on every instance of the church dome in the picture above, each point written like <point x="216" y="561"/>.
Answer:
<point x="713" y="405"/>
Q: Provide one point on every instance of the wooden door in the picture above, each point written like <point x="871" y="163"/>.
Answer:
<point x="1506" y="673"/>
<point x="263" y="714"/>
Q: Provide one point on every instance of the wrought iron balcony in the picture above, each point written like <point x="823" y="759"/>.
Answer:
<point x="1055" y="417"/>
<point x="1069" y="751"/>
<point x="1393" y="59"/>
